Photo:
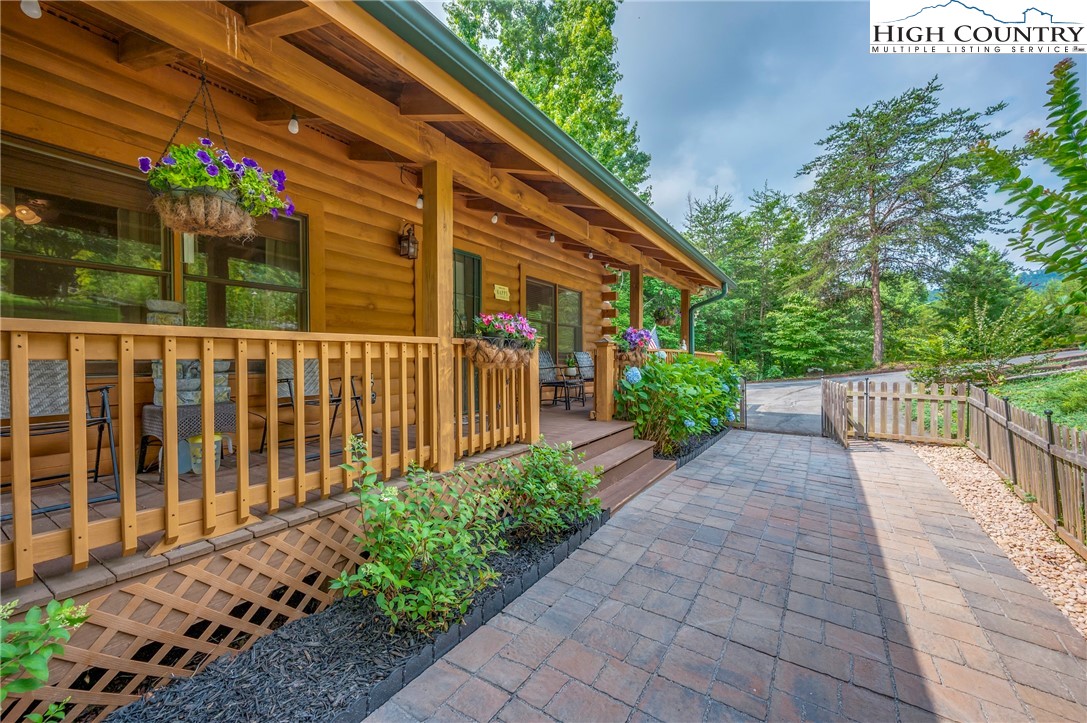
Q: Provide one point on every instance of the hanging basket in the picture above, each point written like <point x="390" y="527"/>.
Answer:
<point x="665" y="317"/>
<point x="633" y="358"/>
<point x="494" y="353"/>
<point x="204" y="211"/>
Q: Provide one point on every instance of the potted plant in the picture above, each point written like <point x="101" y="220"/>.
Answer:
<point x="571" y="366"/>
<point x="664" y="316"/>
<point x="632" y="347"/>
<point x="201" y="189"/>
<point x="502" y="341"/>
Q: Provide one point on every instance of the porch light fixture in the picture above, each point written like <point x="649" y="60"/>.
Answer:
<point x="292" y="125"/>
<point x="4" y="211"/>
<point x="27" y="215"/>
<point x="31" y="8"/>
<point x="419" y="201"/>
<point x="590" y="253"/>
<point x="409" y="245"/>
<point x="551" y="238"/>
<point x="494" y="217"/>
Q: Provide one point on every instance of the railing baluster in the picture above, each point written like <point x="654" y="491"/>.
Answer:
<point x="207" y="433"/>
<point x="368" y="398"/>
<point x="347" y="428"/>
<point x="404" y="428"/>
<point x="432" y="376"/>
<point x="77" y="439"/>
<point x="472" y="411"/>
<point x="484" y="407"/>
<point x="170" y="489"/>
<point x="458" y="398"/>
<point x="271" y="395"/>
<point x="125" y="478"/>
<point x="326" y="416"/>
<point x="386" y="409"/>
<point x="22" y="526"/>
<point x="241" y="427"/>
<point x="420" y="408"/>
<point x="299" y="404"/>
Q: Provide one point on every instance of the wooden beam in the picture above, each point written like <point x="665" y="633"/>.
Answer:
<point x="275" y="110"/>
<point x="562" y="194"/>
<point x="522" y="222"/>
<point x="486" y="204"/>
<point x="600" y="218"/>
<point x="140" y="52"/>
<point x="503" y="158"/>
<point x="276" y="18"/>
<point x="373" y="153"/>
<point x="636" y="303"/>
<point x="684" y="316"/>
<point x="418" y="102"/>
<point x="433" y="294"/>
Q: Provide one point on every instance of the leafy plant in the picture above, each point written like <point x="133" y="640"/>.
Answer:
<point x="27" y="646"/>
<point x="669" y="402"/>
<point x="545" y="491"/>
<point x="426" y="545"/>
<point x="633" y="339"/>
<point x="511" y="327"/>
<point x="201" y="165"/>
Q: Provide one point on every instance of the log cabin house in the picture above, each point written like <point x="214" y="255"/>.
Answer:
<point x="400" y="126"/>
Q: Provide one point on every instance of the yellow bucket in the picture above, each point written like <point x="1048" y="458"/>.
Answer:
<point x="196" y="451"/>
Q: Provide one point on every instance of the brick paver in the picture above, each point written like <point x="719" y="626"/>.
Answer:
<point x="776" y="577"/>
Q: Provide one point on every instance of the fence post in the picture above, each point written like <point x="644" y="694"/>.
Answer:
<point x="966" y="422"/>
<point x="743" y="403"/>
<point x="1011" y="440"/>
<point x="867" y="421"/>
<point x="1058" y="513"/>
<point x="988" y="439"/>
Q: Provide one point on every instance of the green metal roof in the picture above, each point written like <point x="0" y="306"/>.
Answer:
<point x="415" y="25"/>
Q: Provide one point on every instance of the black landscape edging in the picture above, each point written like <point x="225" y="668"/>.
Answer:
<point x="511" y="589"/>
<point x="702" y="446"/>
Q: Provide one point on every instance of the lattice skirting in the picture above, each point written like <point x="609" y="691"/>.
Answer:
<point x="176" y="622"/>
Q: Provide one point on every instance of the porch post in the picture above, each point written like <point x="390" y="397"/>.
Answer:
<point x="636" y="292"/>
<point x="604" y="386"/>
<point x="532" y="397"/>
<point x="684" y="316"/>
<point x="433" y="295"/>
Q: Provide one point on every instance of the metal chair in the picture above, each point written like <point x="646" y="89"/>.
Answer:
<point x="587" y="367"/>
<point x="48" y="391"/>
<point x="311" y="385"/>
<point x="549" y="379"/>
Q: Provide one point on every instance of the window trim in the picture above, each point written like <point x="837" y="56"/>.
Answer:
<point x="579" y="339"/>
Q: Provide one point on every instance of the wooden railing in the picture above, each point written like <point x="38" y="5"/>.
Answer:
<point x="395" y="379"/>
<point x="707" y="355"/>
<point x="1045" y="463"/>
<point x="494" y="407"/>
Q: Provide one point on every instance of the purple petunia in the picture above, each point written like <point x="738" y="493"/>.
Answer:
<point x="290" y="206"/>
<point x="168" y="160"/>
<point x="203" y="157"/>
<point x="249" y="162"/>
<point x="212" y="169"/>
<point x="145" y="164"/>
<point x="275" y="213"/>
<point x="279" y="176"/>
<point x="206" y="142"/>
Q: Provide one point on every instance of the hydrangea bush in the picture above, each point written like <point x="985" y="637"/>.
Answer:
<point x="508" y="327"/>
<point x="201" y="165"/>
<point x="670" y="402"/>
<point x="545" y="491"/>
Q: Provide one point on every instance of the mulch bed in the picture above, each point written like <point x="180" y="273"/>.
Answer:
<point x="693" y="447"/>
<point x="342" y="661"/>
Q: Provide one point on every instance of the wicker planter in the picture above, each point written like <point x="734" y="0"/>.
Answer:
<point x="493" y="353"/>
<point x="665" y="318"/>
<point x="631" y="358"/>
<point x="206" y="211"/>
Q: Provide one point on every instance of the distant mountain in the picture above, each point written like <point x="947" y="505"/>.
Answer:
<point x="1037" y="279"/>
<point x="959" y="4"/>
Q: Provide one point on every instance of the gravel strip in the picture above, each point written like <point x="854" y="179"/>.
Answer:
<point x="1034" y="548"/>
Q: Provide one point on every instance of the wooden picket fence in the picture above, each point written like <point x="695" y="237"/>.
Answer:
<point x="1045" y="463"/>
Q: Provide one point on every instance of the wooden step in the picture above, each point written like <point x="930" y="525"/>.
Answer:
<point x="622" y="491"/>
<point x="599" y="446"/>
<point x="620" y="461"/>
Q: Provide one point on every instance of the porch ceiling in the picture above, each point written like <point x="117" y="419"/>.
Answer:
<point x="330" y="65"/>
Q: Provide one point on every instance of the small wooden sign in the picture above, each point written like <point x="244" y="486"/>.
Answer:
<point x="502" y="293"/>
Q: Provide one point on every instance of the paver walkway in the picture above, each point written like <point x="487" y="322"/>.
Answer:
<point x="777" y="578"/>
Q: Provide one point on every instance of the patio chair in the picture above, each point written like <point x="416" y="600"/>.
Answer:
<point x="587" y="367"/>
<point x="311" y="381"/>
<point x="550" y="379"/>
<point x="48" y="388"/>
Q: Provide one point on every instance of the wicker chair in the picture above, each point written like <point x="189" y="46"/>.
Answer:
<point x="48" y="387"/>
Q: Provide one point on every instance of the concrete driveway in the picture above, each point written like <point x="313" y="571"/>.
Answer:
<point x="793" y="407"/>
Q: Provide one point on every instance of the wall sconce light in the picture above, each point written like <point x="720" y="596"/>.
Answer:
<point x="409" y="245"/>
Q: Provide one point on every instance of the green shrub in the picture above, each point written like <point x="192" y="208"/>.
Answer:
<point x="1064" y="394"/>
<point x="669" y="402"/>
<point x="545" y="491"/>
<point x="27" y="646"/>
<point x="428" y="544"/>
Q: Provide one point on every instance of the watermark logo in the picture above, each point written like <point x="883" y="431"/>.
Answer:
<point x="978" y="26"/>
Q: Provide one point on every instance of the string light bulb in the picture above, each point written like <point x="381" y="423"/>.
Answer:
<point x="31" y="8"/>
<point x="292" y="126"/>
<point x="419" y="201"/>
<point x="590" y="253"/>
<point x="494" y="217"/>
<point x="551" y="238"/>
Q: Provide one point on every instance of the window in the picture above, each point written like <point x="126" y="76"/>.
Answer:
<point x="249" y="284"/>
<point x="556" y="314"/>
<point x="467" y="292"/>
<point x="77" y="242"/>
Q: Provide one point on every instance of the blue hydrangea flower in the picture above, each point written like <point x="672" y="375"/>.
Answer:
<point x="715" y="422"/>
<point x="203" y="157"/>
<point x="212" y="170"/>
<point x="145" y="164"/>
<point x="731" y="415"/>
<point x="634" y="375"/>
<point x="688" y="423"/>
<point x="662" y="355"/>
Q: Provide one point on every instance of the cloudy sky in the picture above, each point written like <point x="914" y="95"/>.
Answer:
<point x="736" y="94"/>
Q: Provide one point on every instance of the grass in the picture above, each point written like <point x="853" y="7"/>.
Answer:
<point x="1064" y="394"/>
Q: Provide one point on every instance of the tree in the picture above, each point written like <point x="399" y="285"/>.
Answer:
<point x="561" y="56"/>
<point x="1054" y="231"/>
<point x="708" y="225"/>
<point x="984" y="275"/>
<point x="802" y="336"/>
<point x="897" y="188"/>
